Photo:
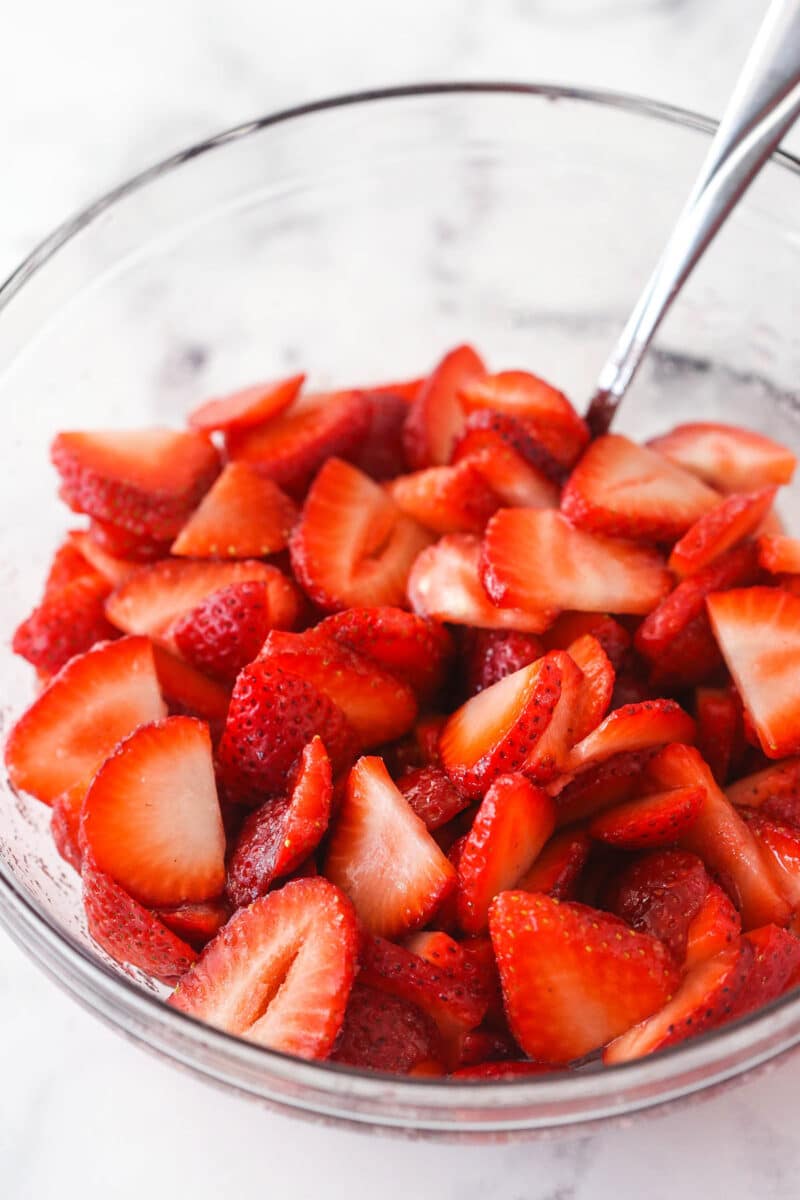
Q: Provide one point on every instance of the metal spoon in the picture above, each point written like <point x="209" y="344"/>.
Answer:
<point x="764" y="106"/>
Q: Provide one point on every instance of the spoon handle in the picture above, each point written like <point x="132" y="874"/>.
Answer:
<point x="764" y="106"/>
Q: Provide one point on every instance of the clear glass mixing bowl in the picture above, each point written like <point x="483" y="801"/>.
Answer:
<point x="359" y="238"/>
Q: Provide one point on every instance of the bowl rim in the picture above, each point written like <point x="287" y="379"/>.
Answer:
<point x="418" y="1103"/>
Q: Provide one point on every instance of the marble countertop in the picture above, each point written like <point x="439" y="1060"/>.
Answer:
<point x="89" y="93"/>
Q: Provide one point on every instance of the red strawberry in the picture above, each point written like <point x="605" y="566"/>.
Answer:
<point x="570" y="626"/>
<point x="432" y="796"/>
<point x="504" y="461"/>
<point x="573" y="977"/>
<point x="188" y="691"/>
<point x="353" y="546"/>
<point x="596" y="687"/>
<point x="718" y="728"/>
<point x="758" y="630"/>
<point x="774" y="970"/>
<point x="662" y="894"/>
<point x="151" y="816"/>
<point x="93" y="702"/>
<point x="280" y="972"/>
<point x="67" y="622"/>
<point x="494" y="653"/>
<point x="716" y="925"/>
<point x="380" y="453"/>
<point x="614" y="781"/>
<point x="549" y="755"/>
<point x="779" y="555"/>
<point x="226" y="630"/>
<point x="584" y="571"/>
<point x="558" y="867"/>
<point x="484" y="1049"/>
<point x="67" y="565"/>
<point x="196" y="924"/>
<point x="489" y="1072"/>
<point x="693" y="658"/>
<point x="453" y="499"/>
<point x="512" y="825"/>
<point x="244" y="515"/>
<point x="775" y="791"/>
<point x="658" y="819"/>
<point x="546" y="411"/>
<point x="129" y="933"/>
<point x="65" y="824"/>
<point x="384" y="1033"/>
<point x="781" y="846"/>
<point x="634" y="727"/>
<point x="250" y="406"/>
<point x="146" y="481"/>
<point x="280" y="835"/>
<point x="734" y="519"/>
<point x="119" y="542"/>
<point x="445" y="584"/>
<point x="427" y="732"/>
<point x="621" y="489"/>
<point x="729" y="458"/>
<point x="495" y="731"/>
<point x="436" y="417"/>
<point x="114" y="570"/>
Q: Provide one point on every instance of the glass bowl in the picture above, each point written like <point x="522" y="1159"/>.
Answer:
<point x="358" y="238"/>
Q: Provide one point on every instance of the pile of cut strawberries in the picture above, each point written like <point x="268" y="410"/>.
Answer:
<point x="411" y="728"/>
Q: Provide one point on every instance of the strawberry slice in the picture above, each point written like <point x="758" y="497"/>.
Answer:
<point x="280" y="835"/>
<point x="445" y="584"/>
<point x="614" y="781"/>
<point x="621" y="489"/>
<point x="649" y="821"/>
<point x="716" y="531"/>
<point x="693" y="658"/>
<point x="226" y="630"/>
<point x="775" y="969"/>
<point x="549" y="755"/>
<point x="513" y="823"/>
<point x="483" y="1048"/>
<point x="573" y="977"/>
<point x="453" y="499"/>
<point x="633" y="727"/>
<point x="280" y="972"/>
<point x="542" y="408"/>
<point x="67" y="565"/>
<point x="244" y="515"/>
<point x="249" y="406"/>
<point x="596" y="687"/>
<point x="489" y="1072"/>
<point x="718" y="729"/>
<point x="114" y="570"/>
<point x="716" y="925"/>
<point x="67" y="622"/>
<point x="383" y="857"/>
<point x="663" y="894"/>
<point x="196" y="924"/>
<point x="508" y="461"/>
<point x="146" y="481"/>
<point x="128" y="932"/>
<point x="187" y="691"/>
<point x="353" y="546"/>
<point x="495" y="731"/>
<point x="584" y="571"/>
<point x="758" y="630"/>
<point x="65" y="824"/>
<point x="384" y="1033"/>
<point x="728" y="458"/>
<point x="436" y="417"/>
<point x="432" y="796"/>
<point x="151" y="816"/>
<point x="781" y="845"/>
<point x="494" y="653"/>
<point x="381" y="454"/>
<point x="569" y="627"/>
<point x="775" y="791"/>
<point x="558" y="867"/>
<point x="95" y="700"/>
<point x="119" y="542"/>
<point x="779" y="555"/>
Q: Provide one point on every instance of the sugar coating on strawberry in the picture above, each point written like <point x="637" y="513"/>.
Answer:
<point x="226" y="630"/>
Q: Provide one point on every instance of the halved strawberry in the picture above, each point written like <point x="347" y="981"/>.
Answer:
<point x="249" y="406"/>
<point x="382" y="1032"/>
<point x="353" y="546"/>
<point x="432" y="795"/>
<point x="151" y="816"/>
<point x="93" y="702"/>
<point x="495" y="731"/>
<point x="584" y="571"/>
<point x="570" y="626"/>
<point x="226" y="630"/>
<point x="196" y="924"/>
<point x="128" y="932"/>
<point x="573" y="977"/>
<point x="453" y="499"/>
<point x="662" y="894"/>
<point x="729" y="458"/>
<point x="187" y="691"/>
<point x="494" y="653"/>
<point x="658" y="819"/>
<point x="147" y="481"/>
<point x="779" y="555"/>
<point x="436" y="417"/>
<point x="244" y="515"/>
<point x="634" y="727"/>
<point x="512" y="825"/>
<point x="734" y="519"/>
<point x="67" y="622"/>
<point x="545" y="410"/>
<point x="625" y="490"/>
<point x="445" y="584"/>
<point x="488" y="1072"/>
<point x="383" y="857"/>
<point x="596" y="687"/>
<point x="715" y="925"/>
<point x="558" y="867"/>
<point x="758" y="630"/>
<point x="65" y="824"/>
<point x="614" y="781"/>
<point x="67" y="565"/>
<point x="280" y="835"/>
<point x="114" y="570"/>
<point x="718" y="725"/>
<point x="775" y="968"/>
<point x="775" y="791"/>
<point x="549" y="755"/>
<point x="505" y="463"/>
<point x="781" y="845"/>
<point x="380" y="453"/>
<point x="280" y="972"/>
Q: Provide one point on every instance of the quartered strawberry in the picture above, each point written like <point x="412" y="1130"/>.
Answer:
<point x="280" y="835"/>
<point x="662" y="894"/>
<point x="504" y="463"/>
<point x="436" y="417"/>
<point x="614" y="781"/>
<point x="453" y="499"/>
<point x="445" y="584"/>
<point x="280" y="972"/>
<point x="718" y="729"/>
<point x="188" y="691"/>
<point x="114" y="570"/>
<point x="67" y="565"/>
<point x="380" y="453"/>
<point x="727" y="457"/>
<point x="130" y="933"/>
<point x="715" y="925"/>
<point x="95" y="700"/>
<point x="558" y="867"/>
<point x="383" y="857"/>
<point x="624" y="490"/>
<point x="151" y="816"/>
<point x="730" y="522"/>
<point x="67" y="622"/>
<point x="570" y="626"/>
<point x="758" y="630"/>
<point x="584" y="571"/>
<point x="489" y="1072"/>
<point x="775" y="791"/>
<point x="775" y="968"/>
<point x="249" y="406"/>
<point x="196" y="924"/>
<point x="382" y="1032"/>
<point x="779" y="555"/>
<point x="781" y="845"/>
<point x="542" y="408"/>
<point x="244" y="515"/>
<point x="226" y="630"/>
<point x="573" y="977"/>
<point x="658" y="819"/>
<point x="491" y="654"/>
<point x="596" y="686"/>
<point x="495" y="731"/>
<point x="146" y="481"/>
<point x="65" y="824"/>
<point x="634" y="727"/>
<point x="549" y="755"/>
<point x="353" y="546"/>
<point x="432" y="795"/>
<point x="512" y="825"/>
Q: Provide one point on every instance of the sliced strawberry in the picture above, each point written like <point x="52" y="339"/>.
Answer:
<point x="734" y="519"/>
<point x="615" y="781"/>
<point x="545" y="410"/>
<point x="693" y="658"/>
<point x="505" y="463"/>
<point x="494" y="653"/>
<point x="280" y="835"/>
<point x="188" y="691"/>
<point x="244" y="515"/>
<point x="93" y="702"/>
<point x="382" y="1032"/>
<point x="432" y="795"/>
<point x="634" y="727"/>
<point x="479" y="954"/>
<point x="65" y="824"/>
<point x="512" y="825"/>
<point x="250" y="406"/>
<point x="484" y="1049"/>
<point x="381" y="454"/>
<point x="445" y="584"/>
<point x="453" y="499"/>
<point x="558" y="867"/>
<point x="718" y="722"/>
<point x="226" y="630"/>
<point x="128" y="932"/>
<point x="584" y="571"/>
<point x="121" y="543"/>
<point x="196" y="924"/>
<point x="67" y="565"/>
<point x="781" y="845"/>
<point x="662" y="894"/>
<point x="573" y="977"/>
<point x="146" y="481"/>
<point x="729" y="458"/>
<point x="596" y="687"/>
<point x="549" y="754"/>
<point x="67" y="622"/>
<point x="758" y="630"/>
<point x="406" y="390"/>
<point x="383" y="857"/>
<point x="658" y="819"/>
<point x="353" y="546"/>
<point x="570" y="626"/>
<point x="774" y="970"/>
<point x="436" y="947"/>
<point x="488" y="1072"/>
<point x="436" y="417"/>
<point x="495" y="731"/>
<point x="114" y="570"/>
<point x="775" y="791"/>
<point x="280" y="972"/>
<point x="779" y="555"/>
<point x="715" y="925"/>
<point x="292" y="447"/>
